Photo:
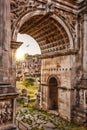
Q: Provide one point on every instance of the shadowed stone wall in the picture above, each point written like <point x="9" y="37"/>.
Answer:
<point x="7" y="92"/>
<point x="63" y="68"/>
<point x="5" y="38"/>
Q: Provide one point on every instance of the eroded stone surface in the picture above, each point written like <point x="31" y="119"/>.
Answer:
<point x="44" y="121"/>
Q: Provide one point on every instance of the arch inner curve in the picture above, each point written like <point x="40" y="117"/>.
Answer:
<point x="49" y="33"/>
<point x="53" y="94"/>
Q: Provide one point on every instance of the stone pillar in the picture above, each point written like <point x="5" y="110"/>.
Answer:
<point x="85" y="62"/>
<point x="80" y="110"/>
<point x="7" y="92"/>
<point x="14" y="47"/>
<point x="85" y="46"/>
<point x="5" y="37"/>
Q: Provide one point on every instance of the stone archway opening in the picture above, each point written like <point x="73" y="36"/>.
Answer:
<point x="28" y="62"/>
<point x="53" y="94"/>
<point x="54" y="40"/>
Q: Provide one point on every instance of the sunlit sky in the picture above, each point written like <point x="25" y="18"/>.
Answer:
<point x="29" y="45"/>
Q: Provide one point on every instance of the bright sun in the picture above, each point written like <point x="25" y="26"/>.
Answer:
<point x="19" y="54"/>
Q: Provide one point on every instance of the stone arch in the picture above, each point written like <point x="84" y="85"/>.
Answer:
<point x="53" y="84"/>
<point x="66" y="29"/>
<point x="25" y="17"/>
<point x="22" y="20"/>
<point x="55" y="76"/>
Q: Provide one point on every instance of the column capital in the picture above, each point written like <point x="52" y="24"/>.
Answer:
<point x="15" y="45"/>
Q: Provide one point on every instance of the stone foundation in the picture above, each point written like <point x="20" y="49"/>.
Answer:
<point x="79" y="116"/>
<point x="7" y="105"/>
<point x="79" y="111"/>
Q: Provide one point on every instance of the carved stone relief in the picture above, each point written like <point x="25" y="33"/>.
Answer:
<point x="21" y="7"/>
<point x="6" y="111"/>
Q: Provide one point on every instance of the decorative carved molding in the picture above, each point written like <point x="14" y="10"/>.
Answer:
<point x="21" y="7"/>
<point x="15" y="45"/>
<point x="59" y="53"/>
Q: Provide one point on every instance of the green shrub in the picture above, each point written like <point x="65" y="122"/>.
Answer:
<point x="28" y="82"/>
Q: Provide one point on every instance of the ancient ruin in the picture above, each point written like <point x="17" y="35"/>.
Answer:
<point x="60" y="28"/>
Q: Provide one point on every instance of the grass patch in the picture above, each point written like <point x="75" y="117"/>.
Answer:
<point x="31" y="90"/>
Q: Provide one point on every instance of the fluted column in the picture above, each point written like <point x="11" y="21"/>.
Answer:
<point x="85" y="46"/>
<point x="5" y="36"/>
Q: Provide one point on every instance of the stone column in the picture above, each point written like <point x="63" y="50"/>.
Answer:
<point x="85" y="46"/>
<point x="80" y="111"/>
<point x="5" y="37"/>
<point x="14" y="47"/>
<point x="8" y="93"/>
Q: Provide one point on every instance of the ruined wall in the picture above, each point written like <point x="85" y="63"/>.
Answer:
<point x="62" y="67"/>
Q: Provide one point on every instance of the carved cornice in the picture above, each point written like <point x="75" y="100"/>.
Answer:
<point x="21" y="7"/>
<point x="15" y="45"/>
<point x="73" y="6"/>
<point x="82" y="6"/>
<point x="59" y="53"/>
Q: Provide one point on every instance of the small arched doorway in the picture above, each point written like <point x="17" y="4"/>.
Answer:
<point x="53" y="94"/>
